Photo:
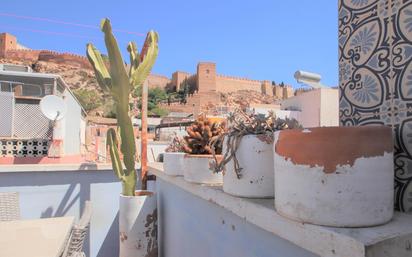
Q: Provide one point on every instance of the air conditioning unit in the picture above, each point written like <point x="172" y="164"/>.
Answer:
<point x="14" y="67"/>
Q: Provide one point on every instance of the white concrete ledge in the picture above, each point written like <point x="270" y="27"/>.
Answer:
<point x="393" y="239"/>
<point x="54" y="167"/>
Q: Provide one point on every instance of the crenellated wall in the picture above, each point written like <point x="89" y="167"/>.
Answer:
<point x="156" y="80"/>
<point x="64" y="58"/>
<point x="48" y="56"/>
<point x="22" y="55"/>
<point x="206" y="78"/>
<point x="226" y="84"/>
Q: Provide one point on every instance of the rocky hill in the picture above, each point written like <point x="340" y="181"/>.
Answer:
<point x="74" y="77"/>
<point x="83" y="83"/>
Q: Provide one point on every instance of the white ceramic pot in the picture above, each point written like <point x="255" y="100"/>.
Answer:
<point x="255" y="156"/>
<point x="138" y="225"/>
<point x="198" y="169"/>
<point x="173" y="163"/>
<point x="336" y="176"/>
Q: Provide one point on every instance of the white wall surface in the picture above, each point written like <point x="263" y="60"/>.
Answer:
<point x="330" y="107"/>
<point x="72" y="125"/>
<point x="193" y="227"/>
<point x="319" y="107"/>
<point x="62" y="193"/>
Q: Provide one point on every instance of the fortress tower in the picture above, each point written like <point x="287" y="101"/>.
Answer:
<point x="206" y="76"/>
<point x="7" y="42"/>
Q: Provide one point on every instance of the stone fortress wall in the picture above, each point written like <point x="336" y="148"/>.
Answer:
<point x="207" y="80"/>
<point x="10" y="49"/>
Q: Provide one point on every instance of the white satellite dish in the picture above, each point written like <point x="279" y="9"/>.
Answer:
<point x="53" y="107"/>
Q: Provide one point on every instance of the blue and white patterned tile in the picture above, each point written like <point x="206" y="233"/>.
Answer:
<point x="365" y="93"/>
<point x="401" y="70"/>
<point x="375" y="45"/>
<point x="402" y="132"/>
<point x="369" y="119"/>
<point x="364" y="61"/>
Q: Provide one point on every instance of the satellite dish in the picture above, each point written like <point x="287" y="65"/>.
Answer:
<point x="53" y="107"/>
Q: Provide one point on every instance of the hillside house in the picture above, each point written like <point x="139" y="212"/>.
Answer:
<point x="26" y="135"/>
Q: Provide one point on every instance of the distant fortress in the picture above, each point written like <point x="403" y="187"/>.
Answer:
<point x="206" y="79"/>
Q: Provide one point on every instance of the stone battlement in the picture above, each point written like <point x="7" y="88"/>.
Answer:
<point x="205" y="79"/>
<point x="47" y="55"/>
<point x="10" y="49"/>
<point x="237" y="78"/>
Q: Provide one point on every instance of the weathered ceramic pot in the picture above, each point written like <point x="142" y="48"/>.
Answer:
<point x="255" y="157"/>
<point x="335" y="176"/>
<point x="173" y="163"/>
<point x="138" y="225"/>
<point x="199" y="169"/>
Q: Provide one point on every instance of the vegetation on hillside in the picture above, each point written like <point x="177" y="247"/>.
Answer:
<point x="156" y="96"/>
<point x="89" y="99"/>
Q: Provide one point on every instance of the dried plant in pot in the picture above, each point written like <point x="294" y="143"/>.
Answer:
<point x="204" y="137"/>
<point x="248" y="153"/>
<point x="173" y="158"/>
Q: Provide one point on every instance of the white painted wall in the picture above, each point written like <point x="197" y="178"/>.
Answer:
<point x="192" y="227"/>
<point x="154" y="149"/>
<point x="71" y="125"/>
<point x="57" y="193"/>
<point x="319" y="107"/>
<point x="329" y="111"/>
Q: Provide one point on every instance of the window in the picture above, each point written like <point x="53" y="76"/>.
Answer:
<point x="32" y="90"/>
<point x="5" y="86"/>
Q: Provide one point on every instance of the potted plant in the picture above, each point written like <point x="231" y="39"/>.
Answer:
<point x="173" y="157"/>
<point x="137" y="208"/>
<point x="335" y="176"/>
<point x="248" y="154"/>
<point x="202" y="140"/>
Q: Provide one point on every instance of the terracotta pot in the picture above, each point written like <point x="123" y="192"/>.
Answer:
<point x="138" y="225"/>
<point x="255" y="156"/>
<point x="198" y="169"/>
<point x="335" y="176"/>
<point x="173" y="163"/>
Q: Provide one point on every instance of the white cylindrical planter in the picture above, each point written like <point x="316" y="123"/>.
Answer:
<point x="255" y="156"/>
<point x="138" y="225"/>
<point x="173" y="163"/>
<point x="199" y="169"/>
<point x="336" y="176"/>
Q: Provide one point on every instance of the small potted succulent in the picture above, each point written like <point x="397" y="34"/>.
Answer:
<point x="248" y="154"/>
<point x="203" y="141"/>
<point x="174" y="156"/>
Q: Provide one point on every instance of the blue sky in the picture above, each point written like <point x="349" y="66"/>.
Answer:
<point x="258" y="39"/>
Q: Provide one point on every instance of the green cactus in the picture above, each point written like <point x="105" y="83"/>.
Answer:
<point x="115" y="80"/>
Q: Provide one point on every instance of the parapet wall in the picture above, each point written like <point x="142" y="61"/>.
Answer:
<point x="49" y="56"/>
<point x="156" y="80"/>
<point x="22" y="55"/>
<point x="227" y="84"/>
<point x="65" y="58"/>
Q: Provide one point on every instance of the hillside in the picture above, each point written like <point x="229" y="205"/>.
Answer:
<point x="82" y="81"/>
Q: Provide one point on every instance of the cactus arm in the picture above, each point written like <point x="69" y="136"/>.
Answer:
<point x="120" y="80"/>
<point x="112" y="143"/>
<point x="147" y="58"/>
<point x="96" y="60"/>
<point x="121" y="88"/>
<point x="128" y="145"/>
<point x="134" y="59"/>
<point x="127" y="177"/>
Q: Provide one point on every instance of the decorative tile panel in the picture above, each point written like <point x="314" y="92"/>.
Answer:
<point x="375" y="77"/>
<point x="24" y="148"/>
